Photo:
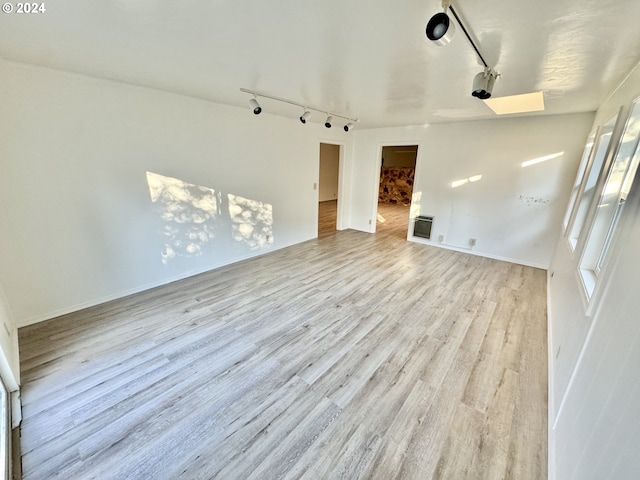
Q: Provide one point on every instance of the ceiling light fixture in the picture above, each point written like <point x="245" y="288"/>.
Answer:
<point x="305" y="116"/>
<point x="307" y="109"/>
<point x="483" y="84"/>
<point x="440" y="28"/>
<point x="255" y="106"/>
<point x="440" y="31"/>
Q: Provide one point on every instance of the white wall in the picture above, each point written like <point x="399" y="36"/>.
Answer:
<point x="78" y="222"/>
<point x="511" y="211"/>
<point x="594" y="359"/>
<point x="329" y="172"/>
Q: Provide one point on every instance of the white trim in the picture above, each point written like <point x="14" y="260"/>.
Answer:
<point x="10" y="376"/>
<point x="16" y="409"/>
<point x="6" y="372"/>
<point x="124" y="293"/>
<point x="341" y="181"/>
<point x="589" y="279"/>
<point x="620" y="85"/>
<point x="551" y="437"/>
<point x="374" y="206"/>
<point x="478" y="253"/>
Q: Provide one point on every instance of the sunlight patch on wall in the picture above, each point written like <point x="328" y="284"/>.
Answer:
<point x="189" y="213"/>
<point x="415" y="204"/>
<point x="546" y="158"/>
<point x="199" y="220"/>
<point x="251" y="221"/>
<point x="463" y="181"/>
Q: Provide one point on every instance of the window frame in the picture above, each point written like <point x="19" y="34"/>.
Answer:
<point x="594" y="256"/>
<point x="583" y="214"/>
<point x="578" y="184"/>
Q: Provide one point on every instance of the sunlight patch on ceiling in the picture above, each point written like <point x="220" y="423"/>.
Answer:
<point x="527" y="102"/>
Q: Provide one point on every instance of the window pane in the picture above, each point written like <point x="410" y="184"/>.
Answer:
<point x="621" y="178"/>
<point x="579" y="177"/>
<point x="588" y="194"/>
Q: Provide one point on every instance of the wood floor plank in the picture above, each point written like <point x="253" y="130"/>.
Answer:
<point x="351" y="356"/>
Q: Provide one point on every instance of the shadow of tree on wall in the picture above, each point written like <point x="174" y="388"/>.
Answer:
<point x="197" y="219"/>
<point x="251" y="221"/>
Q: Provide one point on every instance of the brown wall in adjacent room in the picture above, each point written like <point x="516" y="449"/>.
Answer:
<point x="396" y="185"/>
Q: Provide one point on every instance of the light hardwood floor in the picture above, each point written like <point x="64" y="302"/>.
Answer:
<point x="352" y="356"/>
<point x="392" y="219"/>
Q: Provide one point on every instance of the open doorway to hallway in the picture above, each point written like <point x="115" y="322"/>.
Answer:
<point x="397" y="171"/>
<point x="328" y="188"/>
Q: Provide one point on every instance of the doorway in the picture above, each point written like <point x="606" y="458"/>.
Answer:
<point x="397" y="173"/>
<point x="328" y="187"/>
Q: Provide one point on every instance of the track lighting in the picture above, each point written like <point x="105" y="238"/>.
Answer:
<point x="440" y="29"/>
<point x="483" y="84"/>
<point x="253" y="103"/>
<point x="305" y="116"/>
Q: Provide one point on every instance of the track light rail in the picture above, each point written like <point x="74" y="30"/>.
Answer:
<point x="301" y="105"/>
<point x="466" y="34"/>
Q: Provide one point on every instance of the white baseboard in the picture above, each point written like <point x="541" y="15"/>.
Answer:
<point x="140" y="288"/>
<point x="470" y="251"/>
<point x="551" y="438"/>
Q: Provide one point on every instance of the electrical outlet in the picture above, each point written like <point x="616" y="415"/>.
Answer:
<point x="472" y="242"/>
<point x="441" y="238"/>
<point x="369" y="221"/>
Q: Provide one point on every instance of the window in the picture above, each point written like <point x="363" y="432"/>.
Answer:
<point x="591" y="181"/>
<point x="611" y="202"/>
<point x="579" y="177"/>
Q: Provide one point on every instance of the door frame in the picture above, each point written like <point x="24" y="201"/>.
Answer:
<point x="340" y="220"/>
<point x="374" y="206"/>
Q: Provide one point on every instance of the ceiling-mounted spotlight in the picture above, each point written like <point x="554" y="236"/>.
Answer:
<point x="483" y="84"/>
<point x="440" y="29"/>
<point x="253" y="103"/>
<point x="306" y="109"/>
<point x="305" y="116"/>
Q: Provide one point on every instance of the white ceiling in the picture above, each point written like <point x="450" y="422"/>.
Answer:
<point x="363" y="58"/>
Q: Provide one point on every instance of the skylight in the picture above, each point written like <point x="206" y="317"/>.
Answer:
<point x="527" y="102"/>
